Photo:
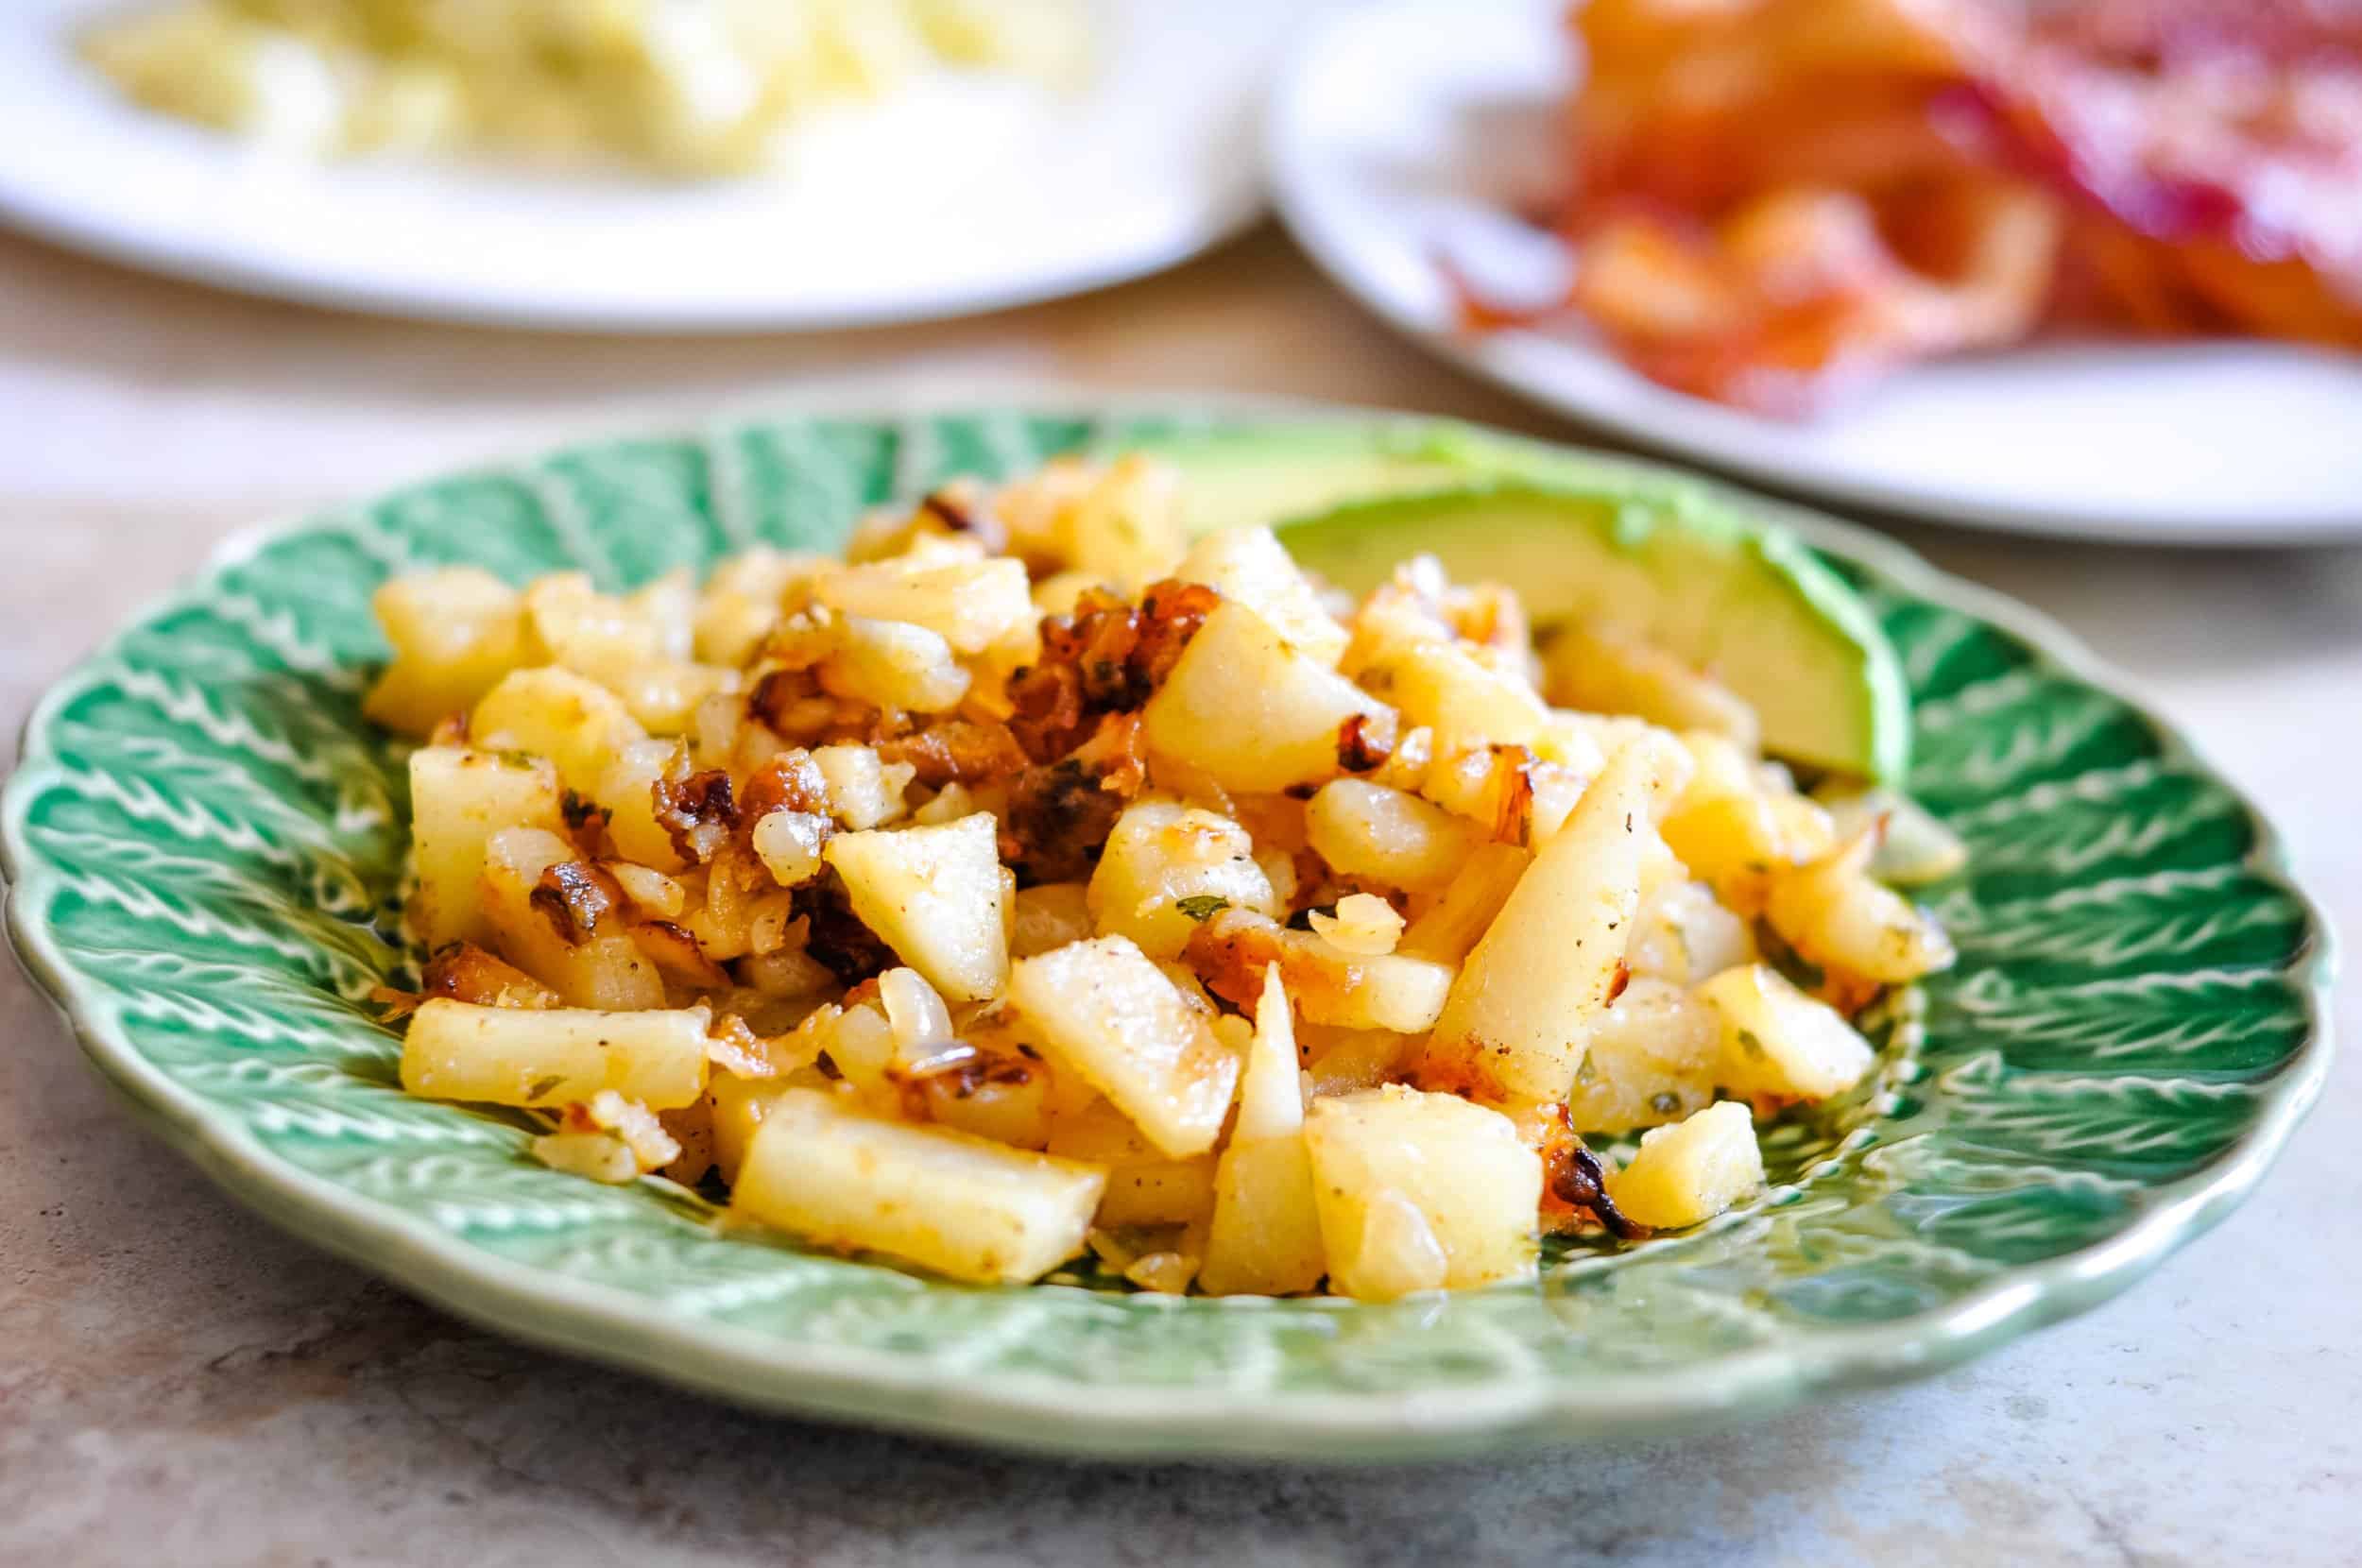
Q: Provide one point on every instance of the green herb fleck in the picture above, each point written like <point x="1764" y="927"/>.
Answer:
<point x="1750" y="1044"/>
<point x="1586" y="1073"/>
<point x="1201" y="906"/>
<point x="544" y="1086"/>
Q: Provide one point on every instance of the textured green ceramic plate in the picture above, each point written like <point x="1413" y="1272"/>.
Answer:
<point x="204" y="841"/>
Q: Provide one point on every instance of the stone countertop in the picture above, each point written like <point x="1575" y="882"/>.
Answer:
<point x="179" y="1383"/>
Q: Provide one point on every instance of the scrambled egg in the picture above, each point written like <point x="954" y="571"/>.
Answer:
<point x="688" y="88"/>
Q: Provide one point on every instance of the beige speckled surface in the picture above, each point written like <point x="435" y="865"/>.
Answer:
<point x="179" y="1384"/>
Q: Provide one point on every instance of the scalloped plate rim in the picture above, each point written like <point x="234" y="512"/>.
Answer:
<point x="617" y="1328"/>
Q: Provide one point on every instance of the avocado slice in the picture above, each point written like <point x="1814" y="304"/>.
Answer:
<point x="1242" y="476"/>
<point x="1581" y="538"/>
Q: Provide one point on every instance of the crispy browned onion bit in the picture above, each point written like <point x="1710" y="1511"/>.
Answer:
<point x="574" y="895"/>
<point x="697" y="812"/>
<point x="1109" y="656"/>
<point x="957" y="751"/>
<point x="1576" y="1183"/>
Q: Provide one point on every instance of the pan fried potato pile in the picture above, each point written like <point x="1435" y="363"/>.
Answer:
<point x="1034" y="881"/>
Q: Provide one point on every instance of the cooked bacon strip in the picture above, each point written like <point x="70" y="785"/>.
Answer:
<point x="1778" y="201"/>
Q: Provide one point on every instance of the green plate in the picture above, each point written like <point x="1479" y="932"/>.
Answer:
<point x="205" y="842"/>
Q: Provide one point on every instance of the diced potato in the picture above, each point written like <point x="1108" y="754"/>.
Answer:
<point x="1778" y="1044"/>
<point x="606" y="971"/>
<point x="554" y="1056"/>
<point x="1464" y="701"/>
<point x="960" y="1205"/>
<point x="652" y="893"/>
<point x="971" y="604"/>
<point x="951" y="803"/>
<point x="1556" y="790"/>
<point x="1683" y="934"/>
<point x="935" y="895"/>
<point x="1398" y="614"/>
<point x="1580" y="742"/>
<point x="1686" y="1174"/>
<point x="1342" y="1061"/>
<point x="1649" y="1059"/>
<point x="955" y="514"/>
<point x="1388" y="836"/>
<point x="1110" y="1016"/>
<point x="1166" y="867"/>
<point x="790" y="845"/>
<point x="788" y="975"/>
<point x="1144" y="1186"/>
<point x="1009" y="1104"/>
<point x="738" y="1106"/>
<point x="1251" y="711"/>
<point x="1726" y="828"/>
<point x="1489" y="786"/>
<point x="1513" y="1028"/>
<point x="1395" y="1251"/>
<point x="1124" y="527"/>
<point x="742" y="601"/>
<point x="1470" y="903"/>
<point x="625" y="788"/>
<point x="455" y="631"/>
<point x="1050" y="915"/>
<point x="691" y="1128"/>
<point x="864" y="790"/>
<point x="1912" y="847"/>
<point x="1382" y="1158"/>
<point x="575" y="722"/>
<point x="1835" y="917"/>
<point x="1389" y="991"/>
<point x="893" y="665"/>
<point x="1252" y="566"/>
<point x="591" y="1154"/>
<point x="668" y="605"/>
<point x="1604" y="671"/>
<point x="1265" y="1239"/>
<point x="459" y="798"/>
<point x="859" y="1043"/>
<point x="634" y="647"/>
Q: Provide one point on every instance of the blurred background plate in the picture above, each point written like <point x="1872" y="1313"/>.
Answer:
<point x="1408" y="131"/>
<point x="946" y="198"/>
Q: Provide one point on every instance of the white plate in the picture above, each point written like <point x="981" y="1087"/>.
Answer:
<point x="1406" y="130"/>
<point x="955" y="196"/>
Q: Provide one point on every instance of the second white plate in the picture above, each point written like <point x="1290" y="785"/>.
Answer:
<point x="1410" y="129"/>
<point x="949" y="198"/>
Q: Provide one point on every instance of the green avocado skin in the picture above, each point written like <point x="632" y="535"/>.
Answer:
<point x="1580" y="538"/>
